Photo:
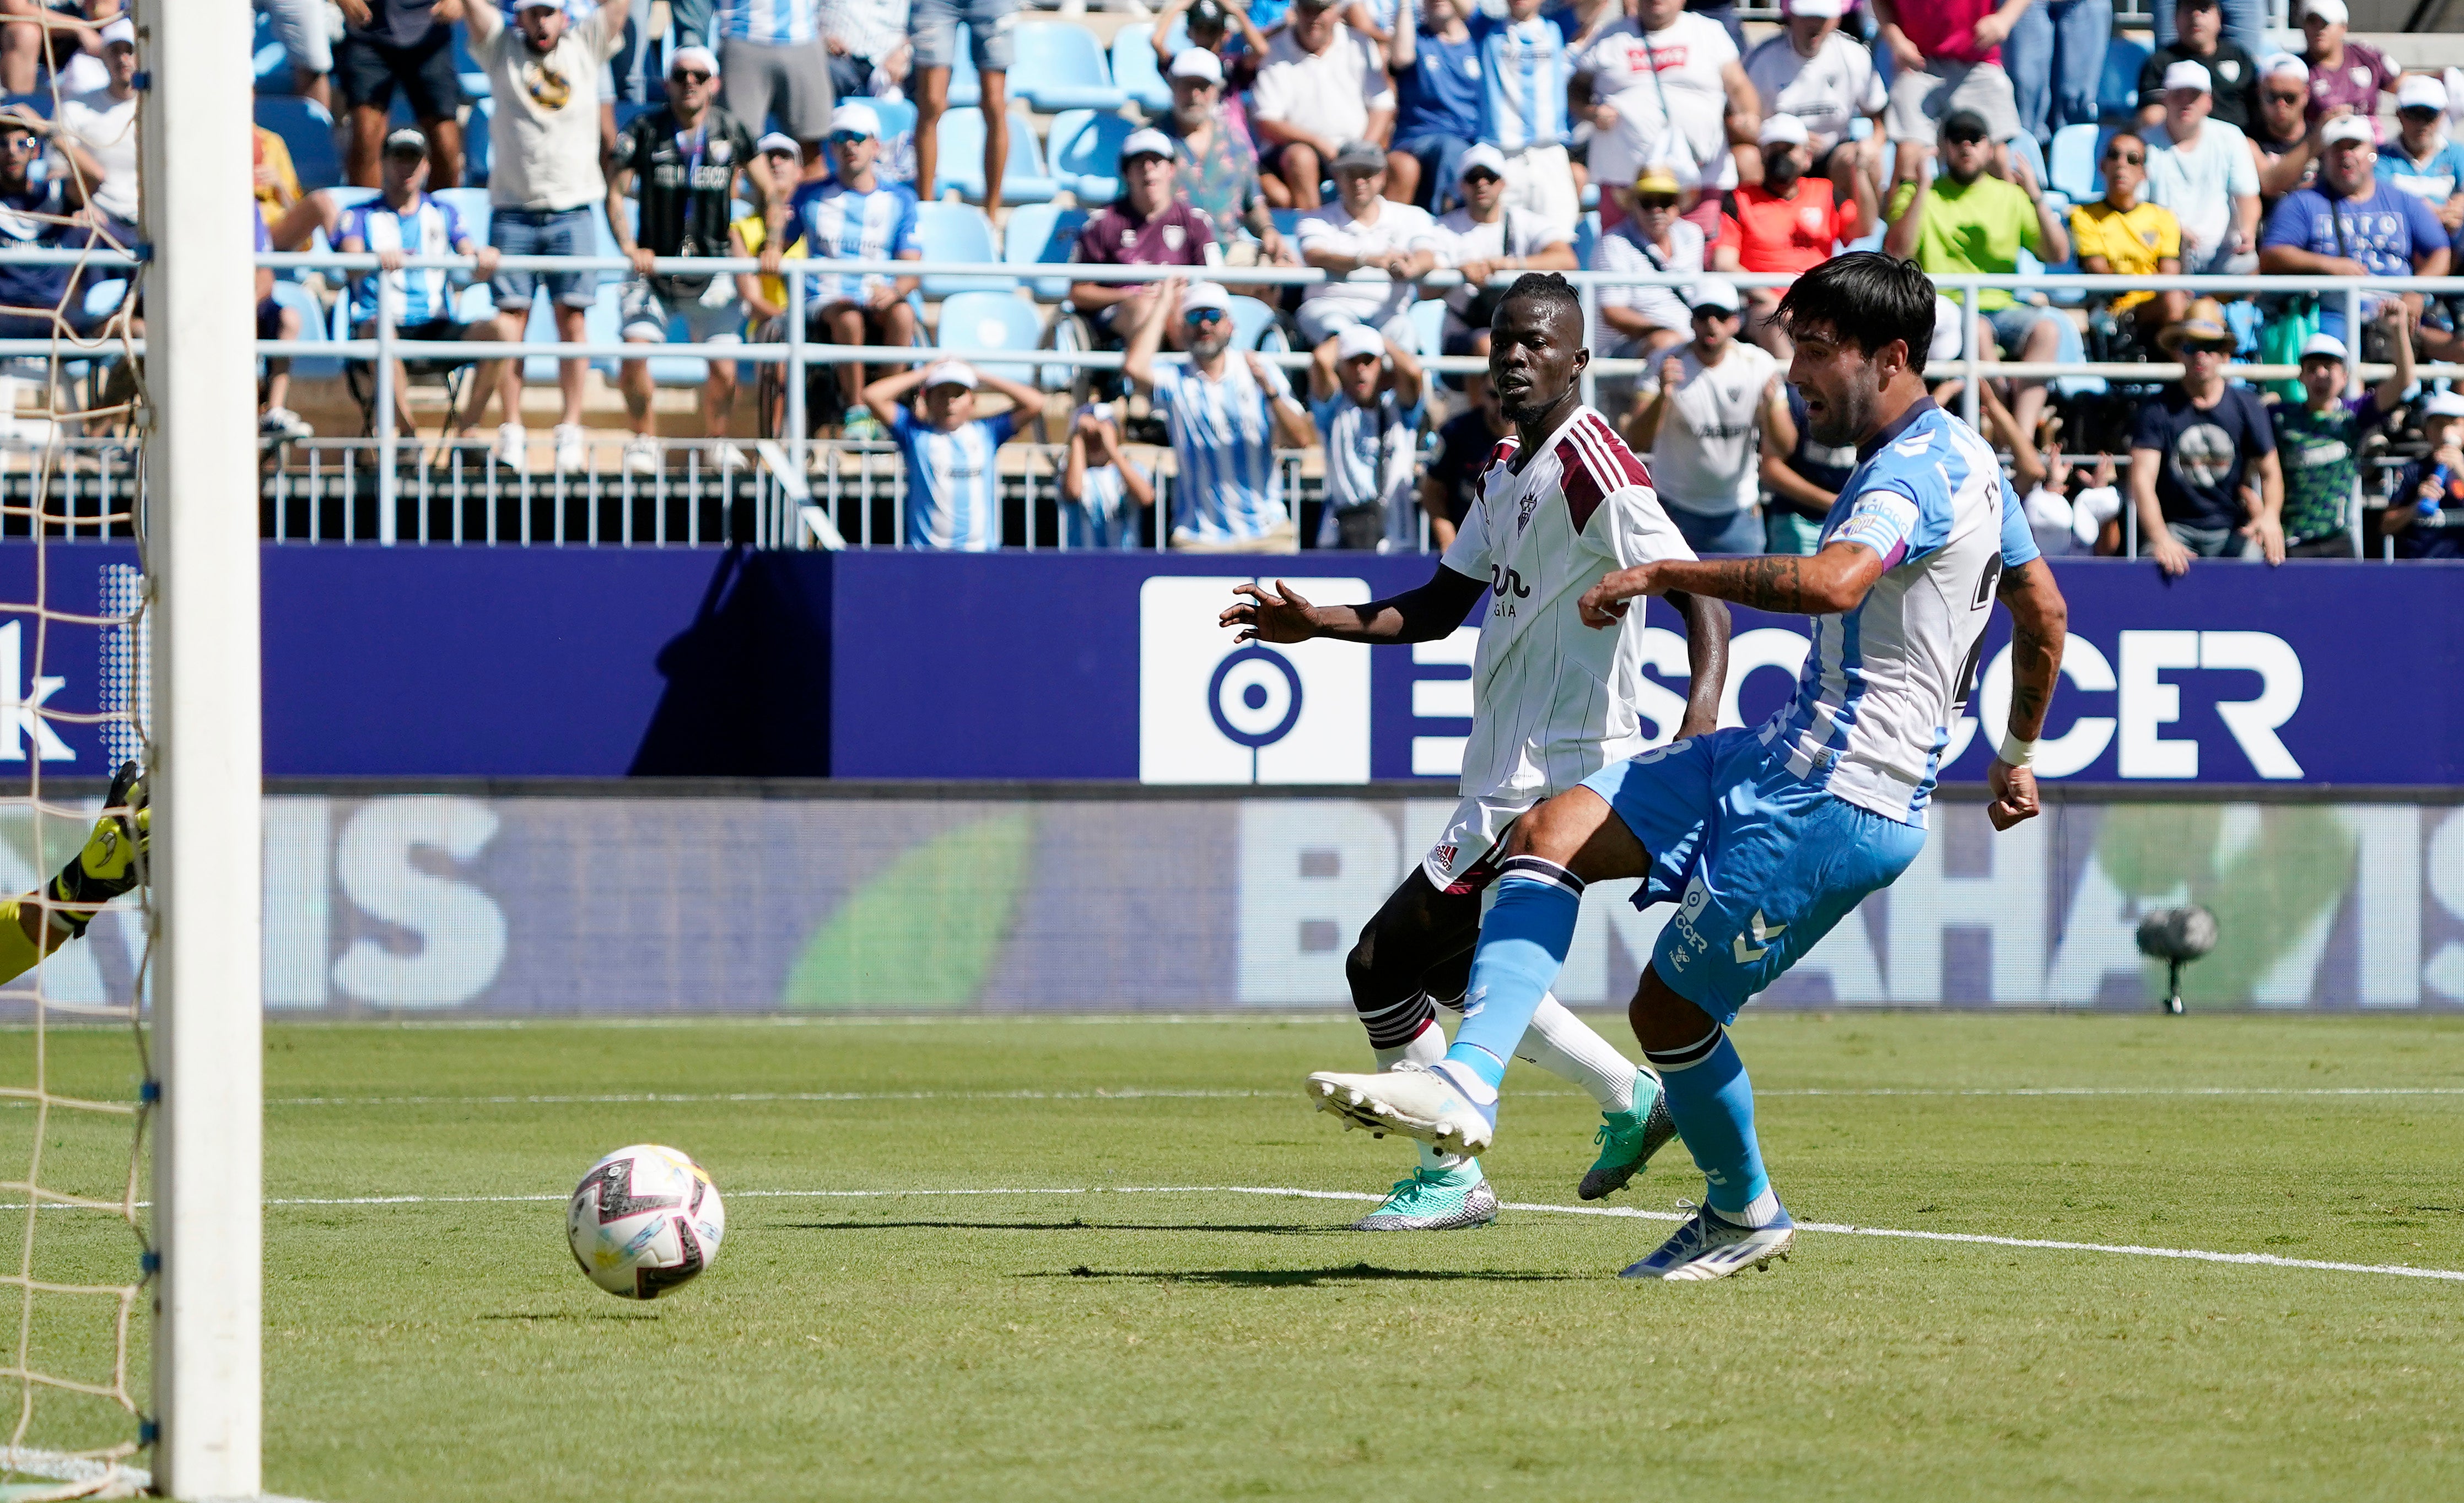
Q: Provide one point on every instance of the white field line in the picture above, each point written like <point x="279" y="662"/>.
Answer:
<point x="1132" y="1094"/>
<point x="1841" y="1228"/>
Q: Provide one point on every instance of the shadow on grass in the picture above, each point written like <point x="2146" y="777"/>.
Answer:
<point x="1074" y="1224"/>
<point x="1306" y="1277"/>
<point x="573" y="1314"/>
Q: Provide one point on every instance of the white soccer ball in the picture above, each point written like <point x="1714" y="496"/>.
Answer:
<point x="644" y="1221"/>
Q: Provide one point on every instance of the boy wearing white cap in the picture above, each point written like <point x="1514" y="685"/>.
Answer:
<point x="2318" y="440"/>
<point x="1101" y="489"/>
<point x="858" y="215"/>
<point x="2426" y="517"/>
<point x="953" y="457"/>
<point x="2202" y="169"/>
<point x="1369" y="417"/>
<point x="1486" y="239"/>
<point x="1699" y="419"/>
<point x="1814" y="72"/>
<point x="2421" y="159"/>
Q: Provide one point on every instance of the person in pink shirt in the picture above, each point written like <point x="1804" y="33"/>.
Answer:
<point x="2345" y="77"/>
<point x="1949" y="58"/>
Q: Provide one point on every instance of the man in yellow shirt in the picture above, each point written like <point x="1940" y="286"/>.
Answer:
<point x="2122" y="237"/>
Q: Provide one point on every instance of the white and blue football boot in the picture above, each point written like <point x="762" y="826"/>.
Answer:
<point x="1445" y="1104"/>
<point x="1706" y="1246"/>
<point x="1436" y="1200"/>
<point x="1628" y="1140"/>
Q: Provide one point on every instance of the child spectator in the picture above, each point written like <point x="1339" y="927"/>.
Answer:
<point x="2318" y="440"/>
<point x="1369" y="418"/>
<point x="1102" y="491"/>
<point x="1450" y="483"/>
<point x="953" y="457"/>
<point x="2427" y="517"/>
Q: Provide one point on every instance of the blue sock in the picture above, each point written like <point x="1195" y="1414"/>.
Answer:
<point x="1523" y="944"/>
<point x="1712" y="1104"/>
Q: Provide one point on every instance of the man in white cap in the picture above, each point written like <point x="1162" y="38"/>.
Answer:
<point x="1484" y="240"/>
<point x="860" y="215"/>
<point x="953" y="457"/>
<point x="2345" y="75"/>
<point x="1226" y="416"/>
<point x="2198" y="36"/>
<point x="2281" y="133"/>
<point x="1215" y="169"/>
<point x="544" y="189"/>
<point x="1789" y="223"/>
<point x="1365" y="230"/>
<point x="1816" y="73"/>
<point x="2202" y="169"/>
<point x="2350" y="223"/>
<point x="1365" y="394"/>
<point x="688" y="156"/>
<point x="1698" y="419"/>
<point x="2318" y="440"/>
<point x="105" y="121"/>
<point x="2421" y="159"/>
<point x="1146" y="226"/>
<point x="775" y="62"/>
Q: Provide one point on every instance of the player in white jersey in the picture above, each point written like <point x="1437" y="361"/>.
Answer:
<point x="1563" y="501"/>
<point x="1766" y="837"/>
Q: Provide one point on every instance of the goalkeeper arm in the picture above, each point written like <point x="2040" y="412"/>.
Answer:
<point x="111" y="864"/>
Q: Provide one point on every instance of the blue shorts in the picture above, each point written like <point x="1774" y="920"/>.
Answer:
<point x="1760" y="863"/>
<point x="556" y="232"/>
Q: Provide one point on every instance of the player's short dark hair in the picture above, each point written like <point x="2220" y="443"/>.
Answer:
<point x="1866" y="300"/>
<point x="1546" y="287"/>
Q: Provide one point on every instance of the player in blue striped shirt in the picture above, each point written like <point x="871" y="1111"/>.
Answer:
<point x="1525" y="68"/>
<point x="403" y="221"/>
<point x="1224" y="416"/>
<point x="858" y="214"/>
<point x="951" y="455"/>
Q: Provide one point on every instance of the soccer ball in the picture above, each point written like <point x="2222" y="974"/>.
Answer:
<point x="644" y="1221"/>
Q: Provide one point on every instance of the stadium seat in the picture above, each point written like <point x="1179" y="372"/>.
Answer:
<point x="1060" y="66"/>
<point x="475" y="79"/>
<point x="1135" y="71"/>
<point x="469" y="205"/>
<point x="2116" y="94"/>
<point x="2073" y="170"/>
<point x="897" y="117"/>
<point x="2024" y="148"/>
<point x="966" y="88"/>
<point x="1429" y="327"/>
<point x="957" y="233"/>
<point x="1085" y="150"/>
<point x="267" y="59"/>
<point x="1287" y="220"/>
<point x="961" y="166"/>
<point x="1042" y="234"/>
<point x="308" y="131"/>
<point x="1587" y="238"/>
<point x="1254" y="327"/>
<point x="311" y="326"/>
<point x="478" y="145"/>
<point x="991" y="322"/>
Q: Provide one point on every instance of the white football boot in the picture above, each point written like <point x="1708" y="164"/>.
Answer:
<point x="1444" y="1105"/>
<point x="1707" y="1246"/>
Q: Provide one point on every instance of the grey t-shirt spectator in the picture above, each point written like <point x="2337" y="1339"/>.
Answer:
<point x="2206" y="453"/>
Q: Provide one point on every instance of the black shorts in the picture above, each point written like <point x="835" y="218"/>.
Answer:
<point x="367" y="71"/>
<point x="436" y="331"/>
<point x="269" y="320"/>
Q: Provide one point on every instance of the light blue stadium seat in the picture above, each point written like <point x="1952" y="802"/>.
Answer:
<point x="475" y="79"/>
<point x="897" y="117"/>
<point x="267" y="59"/>
<point x="2074" y="168"/>
<point x="961" y="164"/>
<point x="1059" y="65"/>
<point x="1135" y="71"/>
<point x="2024" y="148"/>
<point x="1042" y="234"/>
<point x="311" y="326"/>
<point x="1429" y="327"/>
<point x="1287" y="220"/>
<point x="1587" y="238"/>
<point x="1254" y="327"/>
<point x="478" y="143"/>
<point x="965" y="87"/>
<point x="470" y="206"/>
<point x="308" y="131"/>
<point x="991" y="322"/>
<point x="2117" y="93"/>
<point x="601" y="325"/>
<point x="957" y="233"/>
<point x="1085" y="150"/>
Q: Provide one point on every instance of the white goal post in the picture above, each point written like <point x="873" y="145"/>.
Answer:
<point x="201" y="553"/>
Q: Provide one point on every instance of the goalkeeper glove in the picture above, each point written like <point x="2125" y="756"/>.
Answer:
<point x="110" y="864"/>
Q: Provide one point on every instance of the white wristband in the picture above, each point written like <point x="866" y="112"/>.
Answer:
<point x="2016" y="753"/>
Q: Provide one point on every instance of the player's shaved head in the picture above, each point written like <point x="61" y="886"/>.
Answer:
<point x="1535" y="352"/>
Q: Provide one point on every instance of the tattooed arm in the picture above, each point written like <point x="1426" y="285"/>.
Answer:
<point x="2040" y="619"/>
<point x="1829" y="583"/>
<point x="1707" y="657"/>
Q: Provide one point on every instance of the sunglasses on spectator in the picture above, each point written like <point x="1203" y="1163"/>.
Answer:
<point x="1199" y="317"/>
<point x="847" y="138"/>
<point x="1482" y="175"/>
<point x="2208" y="346"/>
<point x="2135" y="158"/>
<point x="2276" y="97"/>
<point x="1656" y="200"/>
<point x="1962" y="139"/>
<point x="2427" y="112"/>
<point x="1720" y="315"/>
<point x="691" y="76"/>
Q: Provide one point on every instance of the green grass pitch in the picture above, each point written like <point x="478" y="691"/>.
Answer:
<point x="1196" y="1344"/>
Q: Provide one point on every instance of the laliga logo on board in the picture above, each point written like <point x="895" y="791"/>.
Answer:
<point x="1214" y="711"/>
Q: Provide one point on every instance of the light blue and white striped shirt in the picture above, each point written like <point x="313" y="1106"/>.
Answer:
<point x="1369" y="454"/>
<point x="1525" y="69"/>
<point x="1229" y="488"/>
<point x="424" y="228"/>
<point x="1104" y="515"/>
<point x="1885" y="682"/>
<point x="774" y="23"/>
<point x="843" y="224"/>
<point x="952" y="481"/>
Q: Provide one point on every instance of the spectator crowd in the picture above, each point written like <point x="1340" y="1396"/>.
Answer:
<point x="1419" y="152"/>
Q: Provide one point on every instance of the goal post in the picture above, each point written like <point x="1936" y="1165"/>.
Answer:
<point x="201" y="553"/>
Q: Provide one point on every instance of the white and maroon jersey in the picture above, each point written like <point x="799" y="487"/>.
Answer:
<point x="1553" y="699"/>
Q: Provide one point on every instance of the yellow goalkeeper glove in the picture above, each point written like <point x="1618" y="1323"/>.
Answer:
<point x="114" y="858"/>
